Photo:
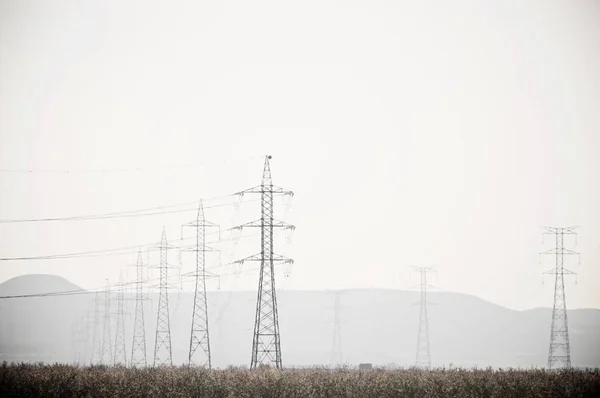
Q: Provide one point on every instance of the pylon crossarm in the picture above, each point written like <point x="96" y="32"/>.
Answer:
<point x="281" y="191"/>
<point x="200" y="224"/>
<point x="424" y="302"/>
<point x="272" y="189"/>
<point x="258" y="257"/>
<point x="206" y="274"/>
<point x="560" y="251"/>
<point x="419" y="286"/>
<point x="261" y="224"/>
<point x="564" y="230"/>
<point x="563" y="271"/>
<point x="194" y="248"/>
<point x="256" y="189"/>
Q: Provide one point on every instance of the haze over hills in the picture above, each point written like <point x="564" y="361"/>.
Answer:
<point x="377" y="326"/>
<point x="35" y="284"/>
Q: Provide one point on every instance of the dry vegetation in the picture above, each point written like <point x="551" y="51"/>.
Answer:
<point x="26" y="380"/>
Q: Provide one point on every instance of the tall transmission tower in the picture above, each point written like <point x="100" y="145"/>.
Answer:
<point x="138" y="346"/>
<point x="266" y="343"/>
<point x="423" y="359"/>
<point x="79" y="330"/>
<point x="96" y="344"/>
<point x="559" y="353"/>
<point x="106" y="353"/>
<point x="199" y="337"/>
<point x="120" y="355"/>
<point x="336" y="345"/>
<point x="83" y="338"/>
<point x="162" y="347"/>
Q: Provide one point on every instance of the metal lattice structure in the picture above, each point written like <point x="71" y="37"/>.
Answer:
<point x="336" y="345"/>
<point x="120" y="357"/>
<point x="138" y="346"/>
<point x="96" y="344"/>
<point x="559" y="353"/>
<point x="423" y="359"/>
<point x="106" y="350"/>
<point x="199" y="352"/>
<point x="79" y="332"/>
<point x="162" y="347"/>
<point x="266" y="342"/>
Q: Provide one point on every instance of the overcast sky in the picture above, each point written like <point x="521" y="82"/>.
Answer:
<point x="413" y="133"/>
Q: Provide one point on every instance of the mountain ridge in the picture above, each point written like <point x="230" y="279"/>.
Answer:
<point x="36" y="284"/>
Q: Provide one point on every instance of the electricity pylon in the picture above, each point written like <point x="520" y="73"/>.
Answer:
<point x="138" y="346"/>
<point x="199" y="337"/>
<point x="423" y="358"/>
<point x="266" y="343"/>
<point x="336" y="345"/>
<point x="559" y="353"/>
<point x="96" y="344"/>
<point x="162" y="347"/>
<point x="120" y="355"/>
<point x="106" y="353"/>
<point x="79" y="330"/>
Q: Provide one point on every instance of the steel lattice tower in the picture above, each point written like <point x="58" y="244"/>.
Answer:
<point x="106" y="354"/>
<point x="162" y="347"/>
<point x="199" y="336"/>
<point x="79" y="341"/>
<point x="266" y="343"/>
<point x="120" y="355"/>
<point x="83" y="336"/>
<point x="96" y="345"/>
<point x="336" y="345"/>
<point x="138" y="346"/>
<point x="559" y="353"/>
<point x="423" y="359"/>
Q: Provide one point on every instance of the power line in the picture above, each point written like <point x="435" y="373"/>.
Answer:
<point x="123" y="170"/>
<point x="107" y="252"/>
<point x="121" y="214"/>
<point x="100" y="290"/>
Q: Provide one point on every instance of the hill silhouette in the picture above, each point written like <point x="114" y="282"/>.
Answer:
<point x="377" y="326"/>
<point x="36" y="284"/>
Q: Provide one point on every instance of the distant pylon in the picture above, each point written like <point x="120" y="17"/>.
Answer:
<point x="162" y="347"/>
<point x="84" y="339"/>
<point x="336" y="345"/>
<point x="79" y="342"/>
<point x="138" y="347"/>
<point x="120" y="355"/>
<point x="266" y="343"/>
<point x="96" y="343"/>
<point x="106" y="354"/>
<point x="559" y="353"/>
<point x="199" y="337"/>
<point x="423" y="359"/>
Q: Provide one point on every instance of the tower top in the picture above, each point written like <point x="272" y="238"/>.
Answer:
<point x="266" y="180"/>
<point x="200" y="216"/>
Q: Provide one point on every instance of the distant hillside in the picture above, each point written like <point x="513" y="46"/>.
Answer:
<point x="377" y="326"/>
<point x="35" y="284"/>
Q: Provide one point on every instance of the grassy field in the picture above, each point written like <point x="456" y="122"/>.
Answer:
<point x="68" y="381"/>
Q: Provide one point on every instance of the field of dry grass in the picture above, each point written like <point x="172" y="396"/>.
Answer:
<point x="27" y="380"/>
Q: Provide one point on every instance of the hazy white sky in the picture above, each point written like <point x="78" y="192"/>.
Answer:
<point x="413" y="133"/>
